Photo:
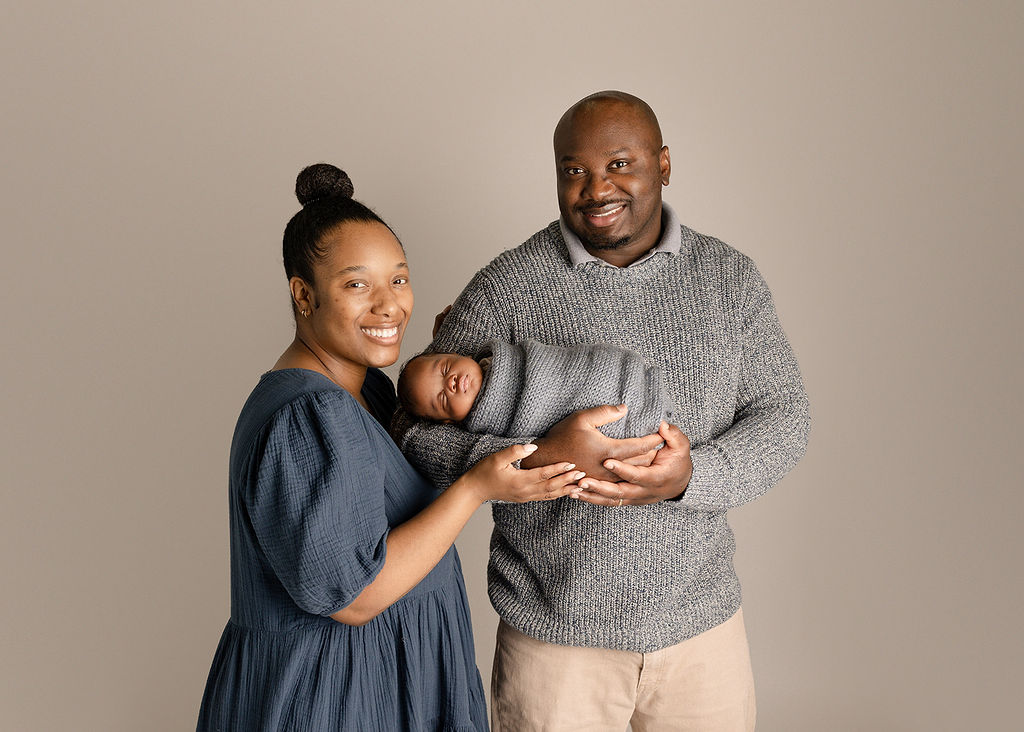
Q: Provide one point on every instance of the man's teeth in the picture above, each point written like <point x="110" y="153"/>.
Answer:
<point x="381" y="332"/>
<point x="609" y="212"/>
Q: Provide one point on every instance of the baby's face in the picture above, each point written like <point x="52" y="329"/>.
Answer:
<point x="443" y="386"/>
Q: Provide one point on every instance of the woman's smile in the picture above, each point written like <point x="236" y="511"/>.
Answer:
<point x="387" y="335"/>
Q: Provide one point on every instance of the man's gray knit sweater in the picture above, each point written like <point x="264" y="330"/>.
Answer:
<point x="530" y="386"/>
<point x="637" y="578"/>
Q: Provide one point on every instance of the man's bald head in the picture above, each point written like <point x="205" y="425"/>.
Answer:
<point x="626" y="106"/>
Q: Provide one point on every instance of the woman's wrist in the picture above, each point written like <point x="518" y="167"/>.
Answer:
<point x="469" y="487"/>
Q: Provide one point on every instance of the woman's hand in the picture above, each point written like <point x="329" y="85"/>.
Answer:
<point x="496" y="478"/>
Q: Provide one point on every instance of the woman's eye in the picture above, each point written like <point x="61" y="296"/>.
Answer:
<point x="356" y="285"/>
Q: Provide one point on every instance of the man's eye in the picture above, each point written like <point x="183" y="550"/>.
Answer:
<point x="574" y="171"/>
<point x="619" y="164"/>
<point x="401" y="280"/>
<point x="356" y="284"/>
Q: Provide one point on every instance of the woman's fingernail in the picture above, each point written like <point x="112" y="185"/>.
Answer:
<point x="569" y="466"/>
<point x="530" y="447"/>
<point x="579" y="474"/>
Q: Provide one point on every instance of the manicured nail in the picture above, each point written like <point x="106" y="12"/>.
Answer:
<point x="569" y="466"/>
<point x="579" y="474"/>
<point x="530" y="447"/>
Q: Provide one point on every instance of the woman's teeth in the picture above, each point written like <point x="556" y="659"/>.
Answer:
<point x="381" y="332"/>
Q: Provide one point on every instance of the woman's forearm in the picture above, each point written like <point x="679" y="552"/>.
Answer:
<point x="413" y="549"/>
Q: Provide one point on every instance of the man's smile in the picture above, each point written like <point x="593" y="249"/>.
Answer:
<point x="603" y="215"/>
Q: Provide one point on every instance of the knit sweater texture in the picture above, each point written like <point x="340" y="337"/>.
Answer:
<point x="530" y="386"/>
<point x="636" y="578"/>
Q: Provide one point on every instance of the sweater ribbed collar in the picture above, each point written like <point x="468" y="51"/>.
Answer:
<point x="670" y="243"/>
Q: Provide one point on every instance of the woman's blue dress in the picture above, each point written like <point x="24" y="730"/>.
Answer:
<point x="316" y="483"/>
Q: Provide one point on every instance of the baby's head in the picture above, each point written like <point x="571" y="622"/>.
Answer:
<point x="440" y="386"/>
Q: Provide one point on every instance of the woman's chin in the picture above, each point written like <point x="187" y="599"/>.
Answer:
<point x="380" y="356"/>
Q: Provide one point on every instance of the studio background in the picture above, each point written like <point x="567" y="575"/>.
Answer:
<point x="867" y="155"/>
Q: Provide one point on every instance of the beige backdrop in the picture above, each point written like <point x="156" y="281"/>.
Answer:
<point x="867" y="155"/>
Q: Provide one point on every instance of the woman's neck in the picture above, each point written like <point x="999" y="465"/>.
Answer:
<point x="303" y="354"/>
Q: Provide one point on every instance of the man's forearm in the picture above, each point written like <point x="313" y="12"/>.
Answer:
<point x="772" y="423"/>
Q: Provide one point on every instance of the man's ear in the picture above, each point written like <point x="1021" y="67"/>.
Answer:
<point x="666" y="165"/>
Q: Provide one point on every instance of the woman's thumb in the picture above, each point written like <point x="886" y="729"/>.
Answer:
<point x="516" y="452"/>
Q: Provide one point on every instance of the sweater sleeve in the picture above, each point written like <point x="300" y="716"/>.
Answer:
<point x="770" y="430"/>
<point x="443" y="452"/>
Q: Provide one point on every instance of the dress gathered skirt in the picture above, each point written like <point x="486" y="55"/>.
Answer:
<point x="315" y="485"/>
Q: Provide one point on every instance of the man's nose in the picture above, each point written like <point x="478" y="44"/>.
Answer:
<point x="597" y="186"/>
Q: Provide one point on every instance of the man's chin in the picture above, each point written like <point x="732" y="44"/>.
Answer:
<point x="606" y="244"/>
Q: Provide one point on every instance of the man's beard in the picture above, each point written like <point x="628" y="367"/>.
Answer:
<point x="607" y="244"/>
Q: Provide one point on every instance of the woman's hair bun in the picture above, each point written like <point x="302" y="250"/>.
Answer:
<point x="322" y="180"/>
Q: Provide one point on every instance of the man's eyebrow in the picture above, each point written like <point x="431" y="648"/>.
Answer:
<point x="608" y="154"/>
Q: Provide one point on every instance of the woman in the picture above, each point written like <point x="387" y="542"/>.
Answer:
<point x="348" y="610"/>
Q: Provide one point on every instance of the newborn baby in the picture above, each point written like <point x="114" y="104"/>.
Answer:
<point x="521" y="390"/>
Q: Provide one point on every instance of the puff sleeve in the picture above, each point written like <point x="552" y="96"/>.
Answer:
<point x="315" y="501"/>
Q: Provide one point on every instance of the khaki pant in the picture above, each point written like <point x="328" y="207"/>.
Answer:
<point x="703" y="684"/>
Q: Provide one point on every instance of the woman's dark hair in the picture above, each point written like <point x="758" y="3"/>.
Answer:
<point x="325" y="193"/>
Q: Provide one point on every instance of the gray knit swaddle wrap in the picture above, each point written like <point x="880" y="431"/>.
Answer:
<point x="530" y="386"/>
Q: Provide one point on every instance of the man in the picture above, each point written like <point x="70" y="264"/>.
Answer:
<point x="622" y="605"/>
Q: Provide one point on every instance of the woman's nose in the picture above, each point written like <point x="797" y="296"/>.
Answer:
<point x="386" y="304"/>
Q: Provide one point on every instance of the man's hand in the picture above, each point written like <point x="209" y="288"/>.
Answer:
<point x="576" y="439"/>
<point x="666" y="477"/>
<point x="439" y="320"/>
